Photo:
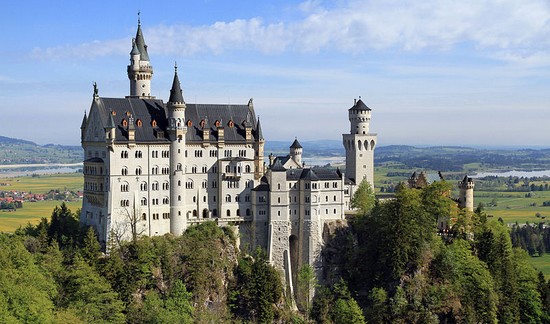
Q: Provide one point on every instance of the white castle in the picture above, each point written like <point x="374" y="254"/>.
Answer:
<point x="153" y="168"/>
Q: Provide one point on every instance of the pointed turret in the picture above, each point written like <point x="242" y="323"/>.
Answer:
<point x="110" y="129"/>
<point x="140" y="71"/>
<point x="296" y="151"/>
<point x="176" y="94"/>
<point x="259" y="134"/>
<point x="84" y="121"/>
<point x="140" y="43"/>
<point x="83" y="127"/>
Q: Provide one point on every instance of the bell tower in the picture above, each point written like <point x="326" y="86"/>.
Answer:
<point x="360" y="144"/>
<point x="140" y="71"/>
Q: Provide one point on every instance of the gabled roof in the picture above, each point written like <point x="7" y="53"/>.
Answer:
<point x="277" y="166"/>
<point x="144" y="110"/>
<point x="149" y="110"/>
<point x="359" y="105"/>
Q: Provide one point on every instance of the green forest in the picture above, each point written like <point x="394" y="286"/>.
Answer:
<point x="389" y="264"/>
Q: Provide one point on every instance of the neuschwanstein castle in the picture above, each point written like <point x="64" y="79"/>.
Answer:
<point x="153" y="168"/>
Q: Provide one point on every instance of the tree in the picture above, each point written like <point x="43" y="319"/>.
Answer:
<point x="256" y="289"/>
<point x="306" y="282"/>
<point x="89" y="295"/>
<point x="363" y="199"/>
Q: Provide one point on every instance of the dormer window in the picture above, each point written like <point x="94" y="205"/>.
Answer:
<point x="124" y="123"/>
<point x="113" y="112"/>
<point x="139" y="123"/>
<point x="154" y="123"/>
<point x="189" y="123"/>
<point x="231" y="123"/>
<point x="217" y="123"/>
<point x="202" y="123"/>
<point x="128" y="113"/>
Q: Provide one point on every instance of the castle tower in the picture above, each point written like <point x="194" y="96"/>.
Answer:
<point x="466" y="195"/>
<point x="296" y="152"/>
<point x="140" y="71"/>
<point x="177" y="130"/>
<point x="360" y="144"/>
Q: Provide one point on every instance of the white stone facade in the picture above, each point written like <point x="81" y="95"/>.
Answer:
<point x="153" y="168"/>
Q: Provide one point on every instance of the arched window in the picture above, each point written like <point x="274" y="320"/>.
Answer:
<point x="194" y="213"/>
<point x="228" y="198"/>
<point x="247" y="169"/>
<point x="143" y="186"/>
<point x="144" y="201"/>
<point x="247" y="212"/>
<point x="228" y="212"/>
<point x="124" y="171"/>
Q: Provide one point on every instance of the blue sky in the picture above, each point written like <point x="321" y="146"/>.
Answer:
<point x="468" y="72"/>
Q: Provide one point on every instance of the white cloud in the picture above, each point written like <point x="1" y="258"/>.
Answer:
<point x="519" y="29"/>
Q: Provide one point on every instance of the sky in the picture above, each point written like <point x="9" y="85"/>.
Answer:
<point x="434" y="72"/>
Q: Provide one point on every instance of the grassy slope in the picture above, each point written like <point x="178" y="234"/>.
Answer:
<point x="542" y="264"/>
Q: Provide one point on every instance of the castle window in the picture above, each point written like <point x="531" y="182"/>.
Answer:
<point x="247" y="198"/>
<point x="143" y="186"/>
<point x="334" y="211"/>
<point x="144" y="216"/>
<point x="124" y="122"/>
<point x="124" y="187"/>
<point x="204" y="184"/>
<point x="214" y="212"/>
<point x="247" y="212"/>
<point x="138" y="155"/>
<point x="155" y="186"/>
<point x="334" y="197"/>
<point x="166" y="185"/>
<point x="123" y="154"/>
<point x="202" y="123"/>
<point x="189" y="123"/>
<point x="189" y="184"/>
<point x="125" y="203"/>
<point x="335" y="184"/>
<point x="326" y="200"/>
<point x="279" y="200"/>
<point x="214" y="184"/>
<point x="155" y="170"/>
<point x="138" y="171"/>
<point x="154" y="123"/>
<point x="113" y="112"/>
<point x="124" y="171"/>
<point x="139" y="123"/>
<point x="231" y="123"/>
<point x="238" y="212"/>
<point x="194" y="169"/>
<point x="228" y="198"/>
<point x="144" y="201"/>
<point x="217" y="123"/>
<point x="228" y="212"/>
<point x="204" y="169"/>
<point x="194" y="213"/>
<point x="247" y="168"/>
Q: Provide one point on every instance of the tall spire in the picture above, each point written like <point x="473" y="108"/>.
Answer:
<point x="176" y="94"/>
<point x="259" y="134"/>
<point x="140" y="42"/>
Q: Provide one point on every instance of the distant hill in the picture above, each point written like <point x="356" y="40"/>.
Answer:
<point x="18" y="151"/>
<point x="14" y="141"/>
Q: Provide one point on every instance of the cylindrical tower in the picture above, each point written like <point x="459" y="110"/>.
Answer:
<point x="359" y="117"/>
<point x="360" y="144"/>
<point x="140" y="71"/>
<point x="466" y="195"/>
<point x="296" y="152"/>
<point x="177" y="130"/>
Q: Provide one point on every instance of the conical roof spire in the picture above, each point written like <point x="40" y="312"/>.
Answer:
<point x="111" y="121"/>
<point x="296" y="144"/>
<point x="176" y="94"/>
<point x="135" y="50"/>
<point x="259" y="130"/>
<point x="84" y="121"/>
<point x="140" y="43"/>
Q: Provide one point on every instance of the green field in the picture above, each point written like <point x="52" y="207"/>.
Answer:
<point x="44" y="183"/>
<point x="541" y="264"/>
<point x="31" y="212"/>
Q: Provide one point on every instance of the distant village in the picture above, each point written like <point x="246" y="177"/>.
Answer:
<point x="11" y="200"/>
